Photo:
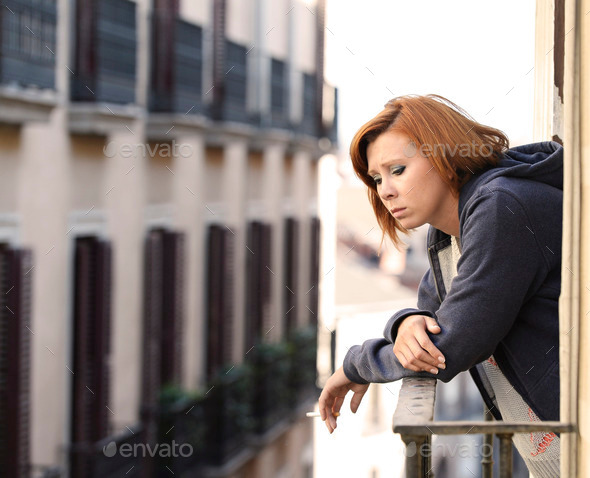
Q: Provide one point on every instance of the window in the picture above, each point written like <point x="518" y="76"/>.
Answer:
<point x="90" y="350"/>
<point x="15" y="356"/>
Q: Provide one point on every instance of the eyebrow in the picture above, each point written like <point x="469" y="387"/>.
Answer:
<point x="370" y="172"/>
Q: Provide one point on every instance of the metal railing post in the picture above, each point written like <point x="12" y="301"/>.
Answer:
<point x="487" y="458"/>
<point x="505" y="455"/>
<point x="418" y="461"/>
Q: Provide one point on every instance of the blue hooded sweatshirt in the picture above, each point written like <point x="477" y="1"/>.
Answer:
<point x="504" y="298"/>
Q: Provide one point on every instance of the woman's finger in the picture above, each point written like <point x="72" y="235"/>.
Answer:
<point x="356" y="399"/>
<point x="415" y="363"/>
<point x="424" y="350"/>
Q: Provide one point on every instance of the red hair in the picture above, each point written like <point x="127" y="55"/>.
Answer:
<point x="456" y="145"/>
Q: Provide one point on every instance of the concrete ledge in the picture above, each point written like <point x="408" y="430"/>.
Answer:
<point x="101" y="118"/>
<point x="20" y="105"/>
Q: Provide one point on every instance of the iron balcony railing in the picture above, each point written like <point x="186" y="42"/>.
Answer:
<point x="177" y="65"/>
<point x="413" y="420"/>
<point x="197" y="432"/>
<point x="105" y="52"/>
<point x="27" y="43"/>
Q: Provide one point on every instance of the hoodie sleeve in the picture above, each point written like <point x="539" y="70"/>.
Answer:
<point x="500" y="268"/>
<point x="428" y="304"/>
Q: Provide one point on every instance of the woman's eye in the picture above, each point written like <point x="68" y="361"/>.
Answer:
<point x="397" y="170"/>
<point x="377" y="179"/>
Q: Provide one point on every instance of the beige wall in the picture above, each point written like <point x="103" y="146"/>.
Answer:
<point x="87" y="172"/>
<point x="304" y="54"/>
<point x="241" y="17"/>
<point x="10" y="139"/>
<point x="277" y="33"/>
<point x="196" y="11"/>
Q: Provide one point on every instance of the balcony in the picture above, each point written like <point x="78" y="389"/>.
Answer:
<point x="177" y="65"/>
<point x="319" y="120"/>
<point x="105" y="52"/>
<point x="109" y="457"/>
<point x="236" y="77"/>
<point x="413" y="420"/>
<point x="27" y="60"/>
<point x="218" y="428"/>
<point x="279" y="94"/>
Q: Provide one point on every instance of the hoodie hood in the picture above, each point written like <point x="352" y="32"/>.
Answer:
<point x="541" y="162"/>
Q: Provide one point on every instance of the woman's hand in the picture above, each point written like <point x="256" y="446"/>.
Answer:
<point x="333" y="395"/>
<point x="414" y="349"/>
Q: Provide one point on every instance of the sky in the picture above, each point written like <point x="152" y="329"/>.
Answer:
<point x="478" y="54"/>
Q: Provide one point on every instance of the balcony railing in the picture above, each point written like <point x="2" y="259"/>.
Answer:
<point x="230" y="417"/>
<point x="177" y="64"/>
<point x="413" y="421"/>
<point x="27" y="43"/>
<point x="279" y="94"/>
<point x="113" y="456"/>
<point x="235" y="88"/>
<point x="309" y="123"/>
<point x="105" y="52"/>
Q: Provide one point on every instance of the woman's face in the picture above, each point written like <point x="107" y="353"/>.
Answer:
<point x="409" y="186"/>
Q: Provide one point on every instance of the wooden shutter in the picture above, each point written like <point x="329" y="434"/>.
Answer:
<point x="91" y="349"/>
<point x="265" y="277"/>
<point x="163" y="314"/>
<point x="315" y="269"/>
<point x="219" y="298"/>
<point x="152" y="316"/>
<point x="172" y="307"/>
<point x="219" y="54"/>
<point x="15" y="356"/>
<point x="291" y="263"/>
<point x="163" y="31"/>
<point x="85" y="48"/>
<point x="253" y="315"/>
<point x="258" y="282"/>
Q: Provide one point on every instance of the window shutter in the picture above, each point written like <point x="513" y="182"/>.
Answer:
<point x="258" y="282"/>
<point x="219" y="55"/>
<point x="219" y="298"/>
<point x="15" y="355"/>
<point x="228" y="295"/>
<point x="291" y="262"/>
<point x="265" y="279"/>
<point x="152" y="314"/>
<point x="253" y="315"/>
<point x="90" y="390"/>
<point x="86" y="61"/>
<point x="315" y="269"/>
<point x="163" y="29"/>
<point x="172" y="307"/>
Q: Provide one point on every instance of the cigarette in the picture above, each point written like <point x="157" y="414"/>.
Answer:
<point x="317" y="414"/>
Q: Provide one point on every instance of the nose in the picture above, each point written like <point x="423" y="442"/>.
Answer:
<point x="387" y="190"/>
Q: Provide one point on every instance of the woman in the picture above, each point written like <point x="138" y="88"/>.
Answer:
<point x="489" y="302"/>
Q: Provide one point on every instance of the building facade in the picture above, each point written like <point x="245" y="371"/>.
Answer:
<point x="159" y="235"/>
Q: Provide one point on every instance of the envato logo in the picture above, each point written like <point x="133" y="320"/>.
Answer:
<point x="461" y="450"/>
<point x="127" y="450"/>
<point x="463" y="150"/>
<point x="146" y="150"/>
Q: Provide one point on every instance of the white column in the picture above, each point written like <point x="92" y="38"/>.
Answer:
<point x="235" y="176"/>
<point x="273" y="186"/>
<point x="125" y="191"/>
<point x="189" y="177"/>
<point x="42" y="208"/>
<point x="302" y="195"/>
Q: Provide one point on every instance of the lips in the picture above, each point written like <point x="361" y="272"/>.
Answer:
<point x="397" y="211"/>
